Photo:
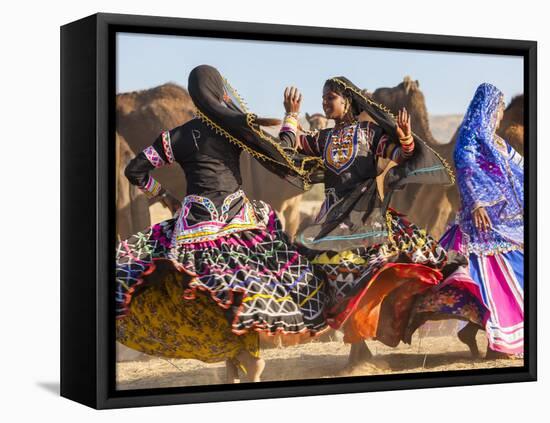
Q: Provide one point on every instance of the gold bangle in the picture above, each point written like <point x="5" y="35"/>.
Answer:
<point x="407" y="140"/>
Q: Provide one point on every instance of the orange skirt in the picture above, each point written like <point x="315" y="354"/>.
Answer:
<point x="381" y="310"/>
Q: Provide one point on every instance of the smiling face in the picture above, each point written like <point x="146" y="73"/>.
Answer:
<point x="334" y="104"/>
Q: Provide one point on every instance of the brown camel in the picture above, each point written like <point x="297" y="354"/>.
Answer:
<point x="512" y="124"/>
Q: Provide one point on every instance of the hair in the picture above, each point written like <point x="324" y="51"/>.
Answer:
<point x="259" y="120"/>
<point x="268" y="121"/>
<point x="353" y="111"/>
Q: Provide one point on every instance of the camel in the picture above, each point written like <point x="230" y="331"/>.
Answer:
<point x="512" y="125"/>
<point x="316" y="121"/>
<point x="132" y="205"/>
<point x="431" y="215"/>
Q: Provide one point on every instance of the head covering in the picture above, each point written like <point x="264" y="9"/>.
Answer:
<point x="222" y="109"/>
<point x="359" y="218"/>
<point x="486" y="178"/>
<point x="424" y="167"/>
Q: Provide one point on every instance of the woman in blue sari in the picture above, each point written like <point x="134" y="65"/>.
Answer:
<point x="489" y="227"/>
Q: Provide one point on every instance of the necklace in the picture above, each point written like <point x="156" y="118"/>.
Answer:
<point x="344" y="123"/>
<point x="341" y="148"/>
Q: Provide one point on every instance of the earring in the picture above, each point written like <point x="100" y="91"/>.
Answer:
<point x="346" y="108"/>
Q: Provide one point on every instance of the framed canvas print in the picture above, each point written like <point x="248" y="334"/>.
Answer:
<point x="259" y="211"/>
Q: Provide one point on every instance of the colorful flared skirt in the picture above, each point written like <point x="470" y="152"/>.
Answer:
<point x="457" y="297"/>
<point x="500" y="277"/>
<point x="489" y="293"/>
<point x="159" y="323"/>
<point x="246" y="264"/>
<point x="371" y="290"/>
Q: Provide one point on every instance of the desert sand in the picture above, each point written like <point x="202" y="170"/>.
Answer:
<point x="315" y="360"/>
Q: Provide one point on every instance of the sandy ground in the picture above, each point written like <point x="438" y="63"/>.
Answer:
<point x="314" y="360"/>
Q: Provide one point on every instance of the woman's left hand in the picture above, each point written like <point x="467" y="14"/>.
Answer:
<point x="403" y="124"/>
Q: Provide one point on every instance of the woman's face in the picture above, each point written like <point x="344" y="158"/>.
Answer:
<point x="334" y="105"/>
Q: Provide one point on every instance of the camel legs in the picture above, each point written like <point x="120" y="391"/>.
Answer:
<point x="359" y="353"/>
<point x="289" y="215"/>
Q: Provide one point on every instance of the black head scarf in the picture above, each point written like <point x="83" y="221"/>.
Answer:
<point x="221" y="108"/>
<point x="361" y="207"/>
<point x="424" y="167"/>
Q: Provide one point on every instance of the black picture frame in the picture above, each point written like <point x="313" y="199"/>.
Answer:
<point x="87" y="181"/>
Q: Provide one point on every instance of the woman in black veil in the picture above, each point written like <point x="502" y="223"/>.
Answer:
<point x="374" y="259"/>
<point x="237" y="272"/>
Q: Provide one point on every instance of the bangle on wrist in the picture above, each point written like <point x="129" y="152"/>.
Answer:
<point x="292" y="114"/>
<point x="406" y="140"/>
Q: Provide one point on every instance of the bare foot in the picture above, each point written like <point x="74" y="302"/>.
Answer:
<point x="254" y="365"/>
<point x="496" y="355"/>
<point x="467" y="335"/>
<point x="359" y="353"/>
<point x="256" y="369"/>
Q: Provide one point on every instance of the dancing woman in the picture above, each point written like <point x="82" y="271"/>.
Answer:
<point x="230" y="251"/>
<point x="375" y="260"/>
<point x="489" y="228"/>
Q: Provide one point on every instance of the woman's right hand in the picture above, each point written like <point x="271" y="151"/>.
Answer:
<point x="481" y="219"/>
<point x="292" y="100"/>
<point x="171" y="202"/>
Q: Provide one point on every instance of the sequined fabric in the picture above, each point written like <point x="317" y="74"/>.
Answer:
<point x="486" y="177"/>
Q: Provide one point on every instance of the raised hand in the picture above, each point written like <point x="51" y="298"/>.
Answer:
<point x="403" y="124"/>
<point x="292" y="100"/>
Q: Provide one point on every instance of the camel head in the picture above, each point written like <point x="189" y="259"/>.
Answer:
<point x="407" y="94"/>
<point x="512" y="126"/>
<point x="316" y="121"/>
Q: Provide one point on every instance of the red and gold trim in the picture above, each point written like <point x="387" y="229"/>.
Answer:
<point x="167" y="146"/>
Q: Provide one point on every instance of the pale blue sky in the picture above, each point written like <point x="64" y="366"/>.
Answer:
<point x="260" y="70"/>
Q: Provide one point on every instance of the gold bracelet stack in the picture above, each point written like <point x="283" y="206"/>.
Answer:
<point x="407" y="144"/>
<point x="290" y="123"/>
<point x="406" y="140"/>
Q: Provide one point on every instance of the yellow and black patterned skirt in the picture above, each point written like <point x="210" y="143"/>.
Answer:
<point x="161" y="323"/>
